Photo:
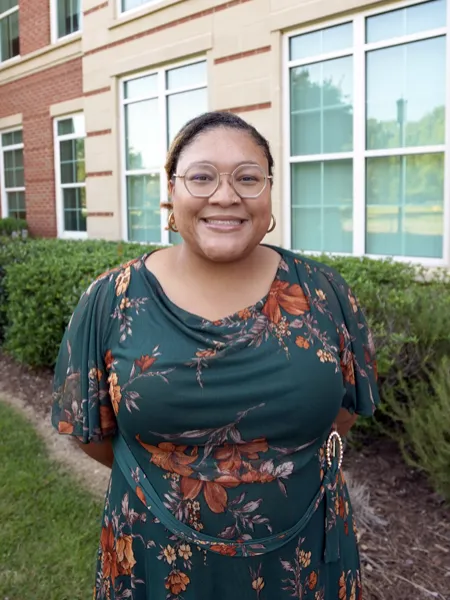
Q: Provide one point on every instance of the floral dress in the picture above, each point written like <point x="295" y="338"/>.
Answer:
<point x="223" y="485"/>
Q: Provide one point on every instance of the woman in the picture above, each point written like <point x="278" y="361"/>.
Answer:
<point x="211" y="377"/>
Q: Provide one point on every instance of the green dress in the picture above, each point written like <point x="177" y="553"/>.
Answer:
<point x="221" y="488"/>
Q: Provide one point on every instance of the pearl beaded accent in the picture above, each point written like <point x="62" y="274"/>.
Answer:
<point x="331" y="449"/>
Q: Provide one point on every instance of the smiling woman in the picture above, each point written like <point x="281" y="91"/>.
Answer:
<point x="213" y="377"/>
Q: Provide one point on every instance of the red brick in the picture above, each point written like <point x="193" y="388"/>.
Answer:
<point x="34" y="25"/>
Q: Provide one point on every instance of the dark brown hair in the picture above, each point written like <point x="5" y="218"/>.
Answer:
<point x="207" y="122"/>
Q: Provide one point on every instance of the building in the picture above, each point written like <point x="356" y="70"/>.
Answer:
<point x="352" y="95"/>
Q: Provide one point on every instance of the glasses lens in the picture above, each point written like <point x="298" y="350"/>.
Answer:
<point x="249" y="181"/>
<point x="201" y="180"/>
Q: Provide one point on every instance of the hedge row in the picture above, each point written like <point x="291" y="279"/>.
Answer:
<point x="408" y="311"/>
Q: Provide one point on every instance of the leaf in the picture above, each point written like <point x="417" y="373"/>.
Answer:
<point x="235" y="436"/>
<point x="284" y="470"/>
<point x="282" y="487"/>
<point x="287" y="566"/>
<point x="267" y="467"/>
<point x="229" y="533"/>
<point x="125" y="505"/>
<point x="297" y="323"/>
<point x="251" y="506"/>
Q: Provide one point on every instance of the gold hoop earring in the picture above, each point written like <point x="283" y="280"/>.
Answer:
<point x="171" y="226"/>
<point x="273" y="225"/>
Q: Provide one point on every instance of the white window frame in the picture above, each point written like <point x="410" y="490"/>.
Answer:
<point x="62" y="233"/>
<point x="359" y="154"/>
<point x="3" y="189"/>
<point x="130" y="11"/>
<point x="54" y="23"/>
<point x="161" y="95"/>
<point x="3" y="15"/>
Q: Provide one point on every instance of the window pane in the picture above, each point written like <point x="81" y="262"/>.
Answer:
<point x="68" y="16"/>
<point x="74" y="206"/>
<point x="322" y="206"/>
<point x="12" y="138"/>
<point x="311" y="44"/>
<point x="405" y="205"/>
<point x="187" y="76"/>
<point x="406" y="103"/>
<point x="16" y="205"/>
<point x="7" y="5"/>
<point x="141" y="87"/>
<point x="74" y="125"/>
<point x="143" y="199"/>
<point x="130" y="4"/>
<point x="72" y="161"/>
<point x="406" y="21"/>
<point x="321" y="107"/>
<point x="9" y="36"/>
<point x="142" y="127"/>
<point x="182" y="107"/>
<point x="13" y="168"/>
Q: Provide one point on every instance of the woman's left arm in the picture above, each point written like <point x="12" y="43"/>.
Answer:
<point x="345" y="421"/>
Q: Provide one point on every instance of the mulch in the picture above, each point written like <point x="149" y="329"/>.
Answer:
<point x="408" y="558"/>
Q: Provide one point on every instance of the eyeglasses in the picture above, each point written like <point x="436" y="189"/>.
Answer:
<point x="202" y="180"/>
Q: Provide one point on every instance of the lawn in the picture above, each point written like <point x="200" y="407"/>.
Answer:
<point x="49" y="526"/>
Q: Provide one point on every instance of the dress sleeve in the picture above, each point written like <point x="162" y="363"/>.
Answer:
<point x="357" y="351"/>
<point x="81" y="402"/>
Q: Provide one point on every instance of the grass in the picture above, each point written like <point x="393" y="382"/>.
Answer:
<point x="49" y="526"/>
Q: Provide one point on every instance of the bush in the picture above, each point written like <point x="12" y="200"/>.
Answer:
<point x="423" y="424"/>
<point x="44" y="280"/>
<point x="13" y="227"/>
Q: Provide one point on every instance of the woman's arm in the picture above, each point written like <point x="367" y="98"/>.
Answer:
<point x="102" y="451"/>
<point x="345" y="421"/>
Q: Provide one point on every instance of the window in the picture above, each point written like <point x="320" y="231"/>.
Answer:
<point x="70" y="176"/>
<point x="66" y="15"/>
<point x="12" y="175"/>
<point x="155" y="106"/>
<point x="126" y="5"/>
<point x="367" y="134"/>
<point x="9" y="29"/>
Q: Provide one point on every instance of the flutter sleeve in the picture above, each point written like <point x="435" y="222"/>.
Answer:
<point x="357" y="351"/>
<point x="82" y="405"/>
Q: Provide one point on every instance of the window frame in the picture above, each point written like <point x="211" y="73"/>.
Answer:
<point x="3" y="189"/>
<point x="61" y="231"/>
<point x="359" y="154"/>
<point x="4" y="15"/>
<point x="162" y="95"/>
<point x="131" y="11"/>
<point x="54" y="24"/>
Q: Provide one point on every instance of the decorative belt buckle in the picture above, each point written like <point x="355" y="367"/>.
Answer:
<point x="331" y="450"/>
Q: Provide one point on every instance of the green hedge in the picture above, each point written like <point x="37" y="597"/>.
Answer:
<point x="408" y="311"/>
<point x="13" y="227"/>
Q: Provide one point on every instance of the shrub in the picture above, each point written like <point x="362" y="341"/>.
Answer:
<point x="44" y="286"/>
<point x="423" y="424"/>
<point x="13" y="227"/>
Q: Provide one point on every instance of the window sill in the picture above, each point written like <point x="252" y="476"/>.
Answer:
<point x="65" y="41"/>
<point x="141" y="11"/>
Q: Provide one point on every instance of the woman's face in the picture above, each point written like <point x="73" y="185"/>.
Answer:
<point x="223" y="227"/>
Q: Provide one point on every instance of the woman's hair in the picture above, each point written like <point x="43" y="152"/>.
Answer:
<point x="208" y="122"/>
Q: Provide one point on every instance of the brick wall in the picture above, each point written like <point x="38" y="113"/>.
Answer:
<point x="34" y="25"/>
<point x="32" y="96"/>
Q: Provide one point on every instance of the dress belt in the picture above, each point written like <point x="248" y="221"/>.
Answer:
<point x="135" y="477"/>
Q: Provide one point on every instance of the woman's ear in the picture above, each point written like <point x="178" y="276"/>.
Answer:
<point x="170" y="186"/>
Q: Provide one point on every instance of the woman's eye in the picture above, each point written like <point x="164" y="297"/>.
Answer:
<point x="200" y="177"/>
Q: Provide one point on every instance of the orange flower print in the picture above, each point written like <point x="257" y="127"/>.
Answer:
<point x="258" y="584"/>
<point x="224" y="549"/>
<point x="185" y="552"/>
<point x="114" y="391"/>
<point x="244" y="314"/>
<point x="324" y="356"/>
<point x="321" y="295"/>
<point x="353" y="302"/>
<point x="140" y="494"/>
<point x="304" y="558"/>
<point x="125" y="556"/>
<point x="284" y="296"/>
<point x="95" y="374"/>
<point x="205" y="353"/>
<point x="171" y="458"/>
<point x="110" y="567"/>
<point x="342" y="587"/>
<point x="169" y="554"/>
<point x="312" y="580"/>
<point x="177" y="582"/>
<point x="145" y="362"/>
<point x="123" y="281"/>
<point x="302" y="342"/>
<point x="124" y="303"/>
<point x="255" y="476"/>
<point x="215" y="494"/>
<point x="230" y="455"/>
<point x="65" y="427"/>
<point x="109" y="360"/>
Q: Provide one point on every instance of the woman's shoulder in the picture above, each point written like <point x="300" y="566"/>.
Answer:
<point x="312" y="267"/>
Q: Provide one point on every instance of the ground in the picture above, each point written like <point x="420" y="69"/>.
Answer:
<point x="404" y="527"/>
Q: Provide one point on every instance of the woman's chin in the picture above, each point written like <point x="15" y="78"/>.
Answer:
<point x="225" y="250"/>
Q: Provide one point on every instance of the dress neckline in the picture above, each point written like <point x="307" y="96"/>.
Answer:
<point x="193" y="317"/>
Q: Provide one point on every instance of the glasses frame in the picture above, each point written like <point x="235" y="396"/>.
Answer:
<point x="219" y="180"/>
